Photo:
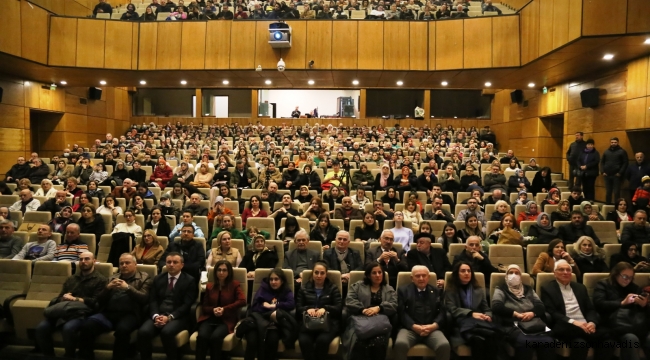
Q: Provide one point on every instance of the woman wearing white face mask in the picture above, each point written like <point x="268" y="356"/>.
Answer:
<point x="522" y="317"/>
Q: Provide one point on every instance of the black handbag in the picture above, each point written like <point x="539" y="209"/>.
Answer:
<point x="66" y="310"/>
<point x="366" y="327"/>
<point x="312" y="323"/>
<point x="533" y="326"/>
<point x="628" y="320"/>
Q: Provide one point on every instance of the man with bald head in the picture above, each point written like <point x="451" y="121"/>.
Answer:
<point x="84" y="287"/>
<point x="126" y="191"/>
<point x="341" y="257"/>
<point x="120" y="304"/>
<point x="26" y="202"/>
<point x="55" y="204"/>
<point x="10" y="244"/>
<point x="72" y="247"/>
<point x="347" y="212"/>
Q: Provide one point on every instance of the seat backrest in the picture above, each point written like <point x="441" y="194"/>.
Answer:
<point x="455" y="249"/>
<point x="279" y="250"/>
<point x="605" y="230"/>
<point x="233" y="206"/>
<point x="489" y="210"/>
<point x="89" y="239"/>
<point x="8" y="200"/>
<point x="606" y="209"/>
<point x="202" y="222"/>
<point x="333" y="275"/>
<point x="42" y="217"/>
<point x="104" y="247"/>
<point x="105" y="269"/>
<point x="589" y="280"/>
<point x="459" y="208"/>
<point x="302" y="222"/>
<point x="404" y="278"/>
<point x="506" y="255"/>
<point x="544" y="278"/>
<point x="16" y="276"/>
<point x="152" y="270"/>
<point x="532" y="253"/>
<point x="491" y="226"/>
<point x="499" y="279"/>
<point x="558" y="224"/>
<point x="265" y="224"/>
<point x="353" y="226"/>
<point x="525" y="226"/>
<point x="48" y="279"/>
<point x="645" y="250"/>
<point x="261" y="274"/>
<point x="108" y="223"/>
<point x="360" y="247"/>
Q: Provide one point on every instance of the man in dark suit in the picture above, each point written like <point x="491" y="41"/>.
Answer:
<point x="389" y="258"/>
<point x="446" y="199"/>
<point x="639" y="232"/>
<point x="421" y="317"/>
<point x="192" y="251"/>
<point x="432" y="258"/>
<point x="437" y="212"/>
<point x="381" y="215"/>
<point x="342" y="258"/>
<point x="55" y="204"/>
<point x="300" y="258"/>
<point x="170" y="301"/>
<point x="573" y="316"/>
<point x="570" y="233"/>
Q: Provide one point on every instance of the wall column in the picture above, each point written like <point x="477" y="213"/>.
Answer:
<point x="254" y="104"/>
<point x="199" y="102"/>
<point x="427" y="104"/>
<point x="362" y="104"/>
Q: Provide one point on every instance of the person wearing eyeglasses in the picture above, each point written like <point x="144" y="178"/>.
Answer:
<point x="191" y="250"/>
<point x="26" y="203"/>
<point x="573" y="316"/>
<point x="473" y="209"/>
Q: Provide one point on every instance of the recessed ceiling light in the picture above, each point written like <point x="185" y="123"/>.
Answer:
<point x="530" y="85"/>
<point x="647" y="41"/>
<point x="488" y="84"/>
<point x="225" y="82"/>
<point x="444" y="83"/>
<point x="268" y="82"/>
<point x="310" y="82"/>
<point x="63" y="82"/>
<point x="142" y="82"/>
<point x="355" y="82"/>
<point x="400" y="83"/>
<point x="102" y="82"/>
<point x="608" y="57"/>
<point x="183" y="82"/>
<point x="27" y="83"/>
<point x="573" y="84"/>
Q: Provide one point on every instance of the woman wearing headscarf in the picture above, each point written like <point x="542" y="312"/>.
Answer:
<point x="384" y="179"/>
<point x="588" y="256"/>
<point x="545" y="262"/>
<point x="552" y="198"/>
<point x="507" y="233"/>
<point x="518" y="181"/>
<point x="61" y="220"/>
<point x="563" y="212"/>
<point x="588" y="212"/>
<point x="515" y="303"/>
<point x="630" y="254"/>
<point x="542" y="181"/>
<point x="532" y="165"/>
<point x="543" y="231"/>
<point x="530" y="214"/>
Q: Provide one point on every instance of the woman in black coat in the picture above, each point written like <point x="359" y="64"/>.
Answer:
<point x="391" y="198"/>
<point x="317" y="297"/>
<point x="159" y="222"/>
<point x="542" y="181"/>
<point x="91" y="222"/>
<point x="310" y="178"/>
<point x="260" y="257"/>
<point x="137" y="174"/>
<point x="588" y="163"/>
<point x="324" y="231"/>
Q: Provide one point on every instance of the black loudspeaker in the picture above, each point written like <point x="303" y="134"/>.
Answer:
<point x="589" y="97"/>
<point x="517" y="96"/>
<point x="1" y="90"/>
<point x="94" y="93"/>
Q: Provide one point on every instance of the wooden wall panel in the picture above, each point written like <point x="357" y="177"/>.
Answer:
<point x="168" y="54"/>
<point x="396" y="45"/>
<point x="217" y="45"/>
<point x="371" y="45"/>
<point x="529" y="19"/>
<point x="432" y="45"/>
<point x="449" y="44"/>
<point x="545" y="25"/>
<point x="575" y="19"/>
<point x="119" y="45"/>
<point x="637" y="78"/>
<point x="638" y="16"/>
<point x="419" y="48"/>
<point x="602" y="17"/>
<point x="295" y="58"/>
<point x="148" y="44"/>
<point x="265" y="55"/>
<point x="135" y="43"/>
<point x="14" y="116"/>
<point x="34" y="26"/>
<point x="345" y="56"/>
<point x="63" y="42"/>
<point x="193" y="45"/>
<point x="12" y="139"/>
<point x="561" y="14"/>
<point x="10" y="22"/>
<point x="242" y="45"/>
<point x="90" y="43"/>
<point x="477" y="43"/>
<point x="319" y="43"/>
<point x="505" y="41"/>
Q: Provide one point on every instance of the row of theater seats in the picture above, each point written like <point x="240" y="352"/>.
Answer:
<point x="32" y="292"/>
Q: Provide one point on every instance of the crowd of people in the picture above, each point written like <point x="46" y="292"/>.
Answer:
<point x="315" y="9"/>
<point x="271" y="160"/>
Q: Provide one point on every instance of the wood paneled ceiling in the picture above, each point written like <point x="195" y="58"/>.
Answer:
<point x="572" y="62"/>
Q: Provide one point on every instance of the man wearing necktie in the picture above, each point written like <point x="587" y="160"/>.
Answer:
<point x="171" y="298"/>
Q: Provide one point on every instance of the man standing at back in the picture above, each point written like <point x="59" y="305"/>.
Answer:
<point x="572" y="155"/>
<point x="613" y="165"/>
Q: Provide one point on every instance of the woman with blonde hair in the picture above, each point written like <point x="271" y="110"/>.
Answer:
<point x="223" y="251"/>
<point x="46" y="189"/>
<point x="203" y="177"/>
<point x="148" y="251"/>
<point x="589" y="258"/>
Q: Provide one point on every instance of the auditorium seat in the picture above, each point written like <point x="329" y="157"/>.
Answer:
<point x="501" y="254"/>
<point x="16" y="277"/>
<point x="266" y="224"/>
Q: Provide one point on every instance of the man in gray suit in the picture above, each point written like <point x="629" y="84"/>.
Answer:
<point x="300" y="258"/>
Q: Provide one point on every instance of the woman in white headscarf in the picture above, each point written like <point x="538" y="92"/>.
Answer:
<point x="521" y="315"/>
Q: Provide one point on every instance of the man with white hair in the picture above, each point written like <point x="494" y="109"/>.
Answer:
<point x="421" y="316"/>
<point x="300" y="258"/>
<point x="390" y="258"/>
<point x="573" y="317"/>
<point x="126" y="191"/>
<point x="341" y="257"/>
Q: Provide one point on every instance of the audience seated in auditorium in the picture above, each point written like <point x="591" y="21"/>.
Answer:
<point x="570" y="233"/>
<point x="639" y="231"/>
<point x="26" y="203"/>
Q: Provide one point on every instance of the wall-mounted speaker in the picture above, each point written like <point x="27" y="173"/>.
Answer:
<point x="94" y="93"/>
<point x="517" y="96"/>
<point x="589" y="97"/>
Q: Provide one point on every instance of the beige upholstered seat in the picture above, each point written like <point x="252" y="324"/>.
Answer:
<point x="16" y="277"/>
<point x="605" y="230"/>
<point x="532" y="253"/>
<point x="611" y="249"/>
<point x="266" y="224"/>
<point x="506" y="255"/>
<point x="589" y="280"/>
<point x="42" y="217"/>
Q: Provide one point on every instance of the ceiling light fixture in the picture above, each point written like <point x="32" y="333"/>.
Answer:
<point x="608" y="57"/>
<point x="268" y="82"/>
<point x="488" y="84"/>
<point x="531" y="85"/>
<point x="102" y="82"/>
<point x="573" y="84"/>
<point x="647" y="41"/>
<point x="355" y="82"/>
<point x="142" y="82"/>
<point x="310" y="82"/>
<point x="63" y="82"/>
<point x="444" y="83"/>
<point x="400" y="83"/>
<point x="183" y="82"/>
<point x="225" y="82"/>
